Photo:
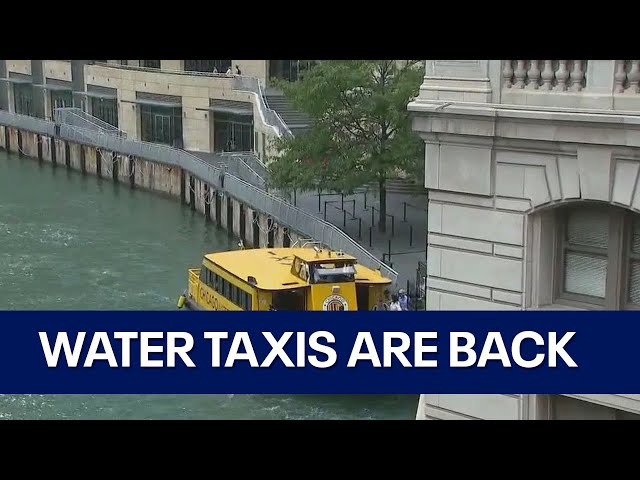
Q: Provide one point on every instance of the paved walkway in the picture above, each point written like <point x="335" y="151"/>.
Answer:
<point x="405" y="237"/>
<point x="406" y="241"/>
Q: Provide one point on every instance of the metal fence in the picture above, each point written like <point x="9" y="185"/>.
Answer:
<point x="79" y="118"/>
<point x="282" y="211"/>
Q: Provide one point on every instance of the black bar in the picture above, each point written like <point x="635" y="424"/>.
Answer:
<point x="20" y="150"/>
<point x="404" y="218"/>
<point x="319" y="201"/>
<point x="344" y="218"/>
<point x="410" y="235"/>
<point x="295" y="197"/>
<point x="365" y="199"/>
<point x="342" y="201"/>
<point x="389" y="249"/>
<point x="373" y="212"/>
<point x="39" y="138"/>
<point x="360" y="228"/>
<point x="393" y="225"/>
<point x="353" y="211"/>
<point x="207" y="205"/>
<point x="370" y="230"/>
<point x="325" y="210"/>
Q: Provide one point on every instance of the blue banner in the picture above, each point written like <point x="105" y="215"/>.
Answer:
<point x="319" y="352"/>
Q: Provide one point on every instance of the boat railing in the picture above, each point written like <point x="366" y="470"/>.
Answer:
<point x="277" y="208"/>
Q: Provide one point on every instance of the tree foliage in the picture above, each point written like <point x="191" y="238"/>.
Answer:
<point x="361" y="130"/>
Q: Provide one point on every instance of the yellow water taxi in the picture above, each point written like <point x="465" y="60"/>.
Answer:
<point x="291" y="278"/>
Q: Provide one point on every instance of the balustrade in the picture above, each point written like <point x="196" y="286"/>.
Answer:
<point x="627" y="77"/>
<point x="545" y="75"/>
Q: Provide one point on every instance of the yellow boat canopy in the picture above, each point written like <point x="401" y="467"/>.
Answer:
<point x="271" y="268"/>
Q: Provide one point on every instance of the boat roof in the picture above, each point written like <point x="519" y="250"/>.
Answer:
<point x="271" y="267"/>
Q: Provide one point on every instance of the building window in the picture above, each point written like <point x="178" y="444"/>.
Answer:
<point x="290" y="70"/>
<point x="106" y="109"/>
<point x="23" y="98"/>
<point x="150" y="63"/>
<point x="232" y="133"/>
<point x="218" y="66"/>
<point x="599" y="258"/>
<point x="161" y="125"/>
<point x="60" y="99"/>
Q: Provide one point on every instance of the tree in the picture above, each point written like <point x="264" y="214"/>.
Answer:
<point x="361" y="130"/>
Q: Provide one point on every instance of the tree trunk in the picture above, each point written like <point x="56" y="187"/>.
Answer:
<point x="382" y="190"/>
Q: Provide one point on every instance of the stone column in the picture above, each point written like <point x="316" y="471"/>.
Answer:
<point x="77" y="79"/>
<point x="4" y="95"/>
<point x="37" y="77"/>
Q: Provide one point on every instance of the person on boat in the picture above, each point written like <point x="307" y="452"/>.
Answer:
<point x="380" y="305"/>
<point x="395" y="304"/>
<point x="405" y="301"/>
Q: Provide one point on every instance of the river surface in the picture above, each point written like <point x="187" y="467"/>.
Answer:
<point x="74" y="242"/>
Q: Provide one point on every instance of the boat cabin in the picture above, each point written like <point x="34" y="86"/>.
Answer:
<point x="285" y="279"/>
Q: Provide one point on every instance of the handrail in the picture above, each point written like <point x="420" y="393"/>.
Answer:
<point x="284" y="212"/>
<point x="252" y="85"/>
<point x="78" y="117"/>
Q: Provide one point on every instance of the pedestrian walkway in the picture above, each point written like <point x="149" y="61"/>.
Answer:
<point x="358" y="214"/>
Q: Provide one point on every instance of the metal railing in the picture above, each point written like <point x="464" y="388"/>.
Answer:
<point x="282" y="211"/>
<point x="236" y="164"/>
<point x="25" y="122"/>
<point x="79" y="118"/>
<point x="270" y="116"/>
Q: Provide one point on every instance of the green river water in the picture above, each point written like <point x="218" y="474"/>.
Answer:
<point x="74" y="242"/>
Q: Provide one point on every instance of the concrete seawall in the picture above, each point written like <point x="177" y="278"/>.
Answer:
<point x="246" y="222"/>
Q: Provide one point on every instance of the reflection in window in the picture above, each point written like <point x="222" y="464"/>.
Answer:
<point x="633" y="290"/>
<point x="60" y="99"/>
<point x="232" y="132"/>
<point x="336" y="272"/>
<point x="585" y="253"/>
<point x="210" y="66"/>
<point x="150" y="63"/>
<point x="599" y="257"/>
<point x="23" y="98"/>
<point x="290" y="70"/>
<point x="106" y="109"/>
<point x="161" y="125"/>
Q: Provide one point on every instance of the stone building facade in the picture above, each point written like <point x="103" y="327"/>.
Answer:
<point x="532" y="168"/>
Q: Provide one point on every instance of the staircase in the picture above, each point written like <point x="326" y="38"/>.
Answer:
<point x="296" y="121"/>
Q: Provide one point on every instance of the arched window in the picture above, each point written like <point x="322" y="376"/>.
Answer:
<point x="597" y="257"/>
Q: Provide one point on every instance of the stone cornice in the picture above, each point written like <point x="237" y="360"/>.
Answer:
<point x="600" y="127"/>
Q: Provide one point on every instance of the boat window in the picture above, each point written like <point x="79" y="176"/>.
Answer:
<point x="207" y="277"/>
<point x="336" y="272"/>
<point x="303" y="271"/>
<point x="289" y="300"/>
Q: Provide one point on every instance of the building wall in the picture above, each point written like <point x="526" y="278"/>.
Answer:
<point x="253" y="68"/>
<point x="57" y="69"/>
<point x="501" y="158"/>
<point x="195" y="91"/>
<point x="19" y="66"/>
